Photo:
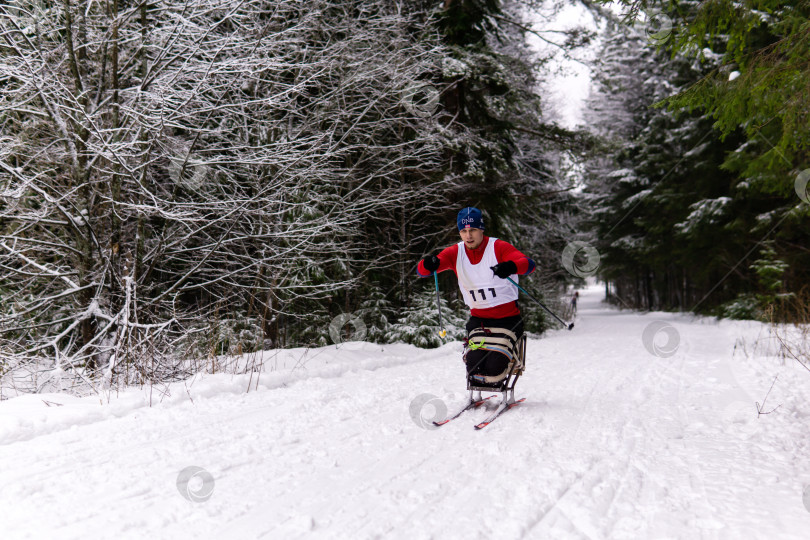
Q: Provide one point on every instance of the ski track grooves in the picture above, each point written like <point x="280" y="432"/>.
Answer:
<point x="612" y="442"/>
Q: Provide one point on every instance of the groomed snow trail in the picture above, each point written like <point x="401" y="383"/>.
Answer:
<point x="613" y="441"/>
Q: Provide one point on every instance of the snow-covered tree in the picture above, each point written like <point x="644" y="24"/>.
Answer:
<point x="419" y="323"/>
<point x="163" y="162"/>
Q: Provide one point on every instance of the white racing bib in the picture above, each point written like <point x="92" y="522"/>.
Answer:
<point x="481" y="288"/>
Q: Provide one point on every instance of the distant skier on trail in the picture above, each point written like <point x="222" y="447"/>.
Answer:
<point x="484" y="267"/>
<point x="574" y="299"/>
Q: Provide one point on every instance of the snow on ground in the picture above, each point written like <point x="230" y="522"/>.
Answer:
<point x="614" y="441"/>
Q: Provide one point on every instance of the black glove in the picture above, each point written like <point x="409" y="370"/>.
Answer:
<point x="431" y="263"/>
<point x="505" y="269"/>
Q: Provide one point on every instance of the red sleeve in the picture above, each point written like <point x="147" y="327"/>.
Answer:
<point x="504" y="251"/>
<point x="447" y="261"/>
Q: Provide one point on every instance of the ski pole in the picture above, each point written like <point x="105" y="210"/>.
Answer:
<point x="439" y="305"/>
<point x="569" y="326"/>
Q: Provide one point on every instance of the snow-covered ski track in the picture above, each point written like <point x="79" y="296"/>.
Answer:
<point x="611" y="442"/>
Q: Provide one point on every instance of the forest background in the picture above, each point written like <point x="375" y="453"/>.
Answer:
<point x="186" y="179"/>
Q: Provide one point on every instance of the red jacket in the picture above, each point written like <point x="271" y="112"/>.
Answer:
<point x="504" y="251"/>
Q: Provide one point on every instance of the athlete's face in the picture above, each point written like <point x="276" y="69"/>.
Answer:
<point x="472" y="238"/>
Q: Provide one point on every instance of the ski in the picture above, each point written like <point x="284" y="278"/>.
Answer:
<point x="502" y="408"/>
<point x="471" y="405"/>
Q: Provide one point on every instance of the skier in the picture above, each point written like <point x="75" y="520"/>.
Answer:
<point x="482" y="265"/>
<point x="574" y="299"/>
